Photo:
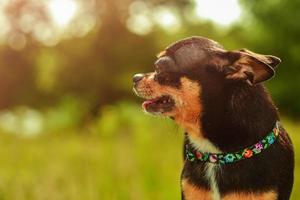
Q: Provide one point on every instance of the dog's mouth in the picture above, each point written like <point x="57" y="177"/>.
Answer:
<point x="159" y="105"/>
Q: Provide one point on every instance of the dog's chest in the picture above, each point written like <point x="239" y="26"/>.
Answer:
<point x="207" y="184"/>
<point x="206" y="188"/>
<point x="210" y="175"/>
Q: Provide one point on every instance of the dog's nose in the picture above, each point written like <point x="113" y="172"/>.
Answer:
<point x="137" y="77"/>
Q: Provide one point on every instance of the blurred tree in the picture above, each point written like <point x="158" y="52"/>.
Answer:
<point x="273" y="27"/>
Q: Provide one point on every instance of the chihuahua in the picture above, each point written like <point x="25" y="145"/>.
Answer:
<point x="235" y="147"/>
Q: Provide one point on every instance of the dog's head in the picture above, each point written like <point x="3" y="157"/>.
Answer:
<point x="191" y="68"/>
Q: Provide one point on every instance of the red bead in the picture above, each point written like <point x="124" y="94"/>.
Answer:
<point x="198" y="155"/>
<point x="248" y="153"/>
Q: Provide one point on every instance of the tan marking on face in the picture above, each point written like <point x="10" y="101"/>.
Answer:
<point x="188" y="108"/>
<point x="188" y="113"/>
<point x="271" y="195"/>
<point x="148" y="88"/>
<point x="194" y="193"/>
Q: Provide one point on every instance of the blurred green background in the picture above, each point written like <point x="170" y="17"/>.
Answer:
<point x="70" y="126"/>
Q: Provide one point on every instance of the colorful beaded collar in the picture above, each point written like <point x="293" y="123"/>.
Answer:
<point x="233" y="157"/>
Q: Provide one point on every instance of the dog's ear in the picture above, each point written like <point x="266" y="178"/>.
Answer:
<point x="273" y="61"/>
<point x="244" y="65"/>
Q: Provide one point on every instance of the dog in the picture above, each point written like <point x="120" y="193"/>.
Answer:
<point x="234" y="147"/>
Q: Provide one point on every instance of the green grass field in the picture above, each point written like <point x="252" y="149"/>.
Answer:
<point x="125" y="154"/>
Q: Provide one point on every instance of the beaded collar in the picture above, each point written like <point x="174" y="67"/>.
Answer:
<point x="233" y="157"/>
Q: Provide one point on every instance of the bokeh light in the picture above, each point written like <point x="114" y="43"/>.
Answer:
<point x="167" y="18"/>
<point x="62" y="11"/>
<point x="139" y="20"/>
<point x="221" y="12"/>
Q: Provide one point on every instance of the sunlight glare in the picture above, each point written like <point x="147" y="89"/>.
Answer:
<point x="4" y="23"/>
<point x="62" y="11"/>
<point x="139" y="21"/>
<point x="167" y="19"/>
<point x="223" y="12"/>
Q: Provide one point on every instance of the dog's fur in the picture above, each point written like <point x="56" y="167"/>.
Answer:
<point x="217" y="97"/>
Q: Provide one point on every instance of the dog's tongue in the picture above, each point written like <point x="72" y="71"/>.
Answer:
<point x="148" y="102"/>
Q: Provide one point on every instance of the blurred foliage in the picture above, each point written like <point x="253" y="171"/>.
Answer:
<point x="273" y="28"/>
<point x="109" y="159"/>
<point x="124" y="154"/>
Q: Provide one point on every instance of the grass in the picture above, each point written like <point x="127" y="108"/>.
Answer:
<point x="125" y="154"/>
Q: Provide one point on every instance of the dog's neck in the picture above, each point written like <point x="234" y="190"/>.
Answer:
<point x="238" y="119"/>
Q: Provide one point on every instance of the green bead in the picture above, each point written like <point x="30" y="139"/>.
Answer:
<point x="221" y="161"/>
<point x="205" y="157"/>
<point x="191" y="156"/>
<point x="238" y="156"/>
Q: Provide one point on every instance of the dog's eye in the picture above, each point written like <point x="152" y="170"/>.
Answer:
<point x="162" y="77"/>
<point x="170" y="79"/>
<point x="159" y="76"/>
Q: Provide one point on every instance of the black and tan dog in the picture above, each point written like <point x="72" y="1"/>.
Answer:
<point x="235" y="147"/>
